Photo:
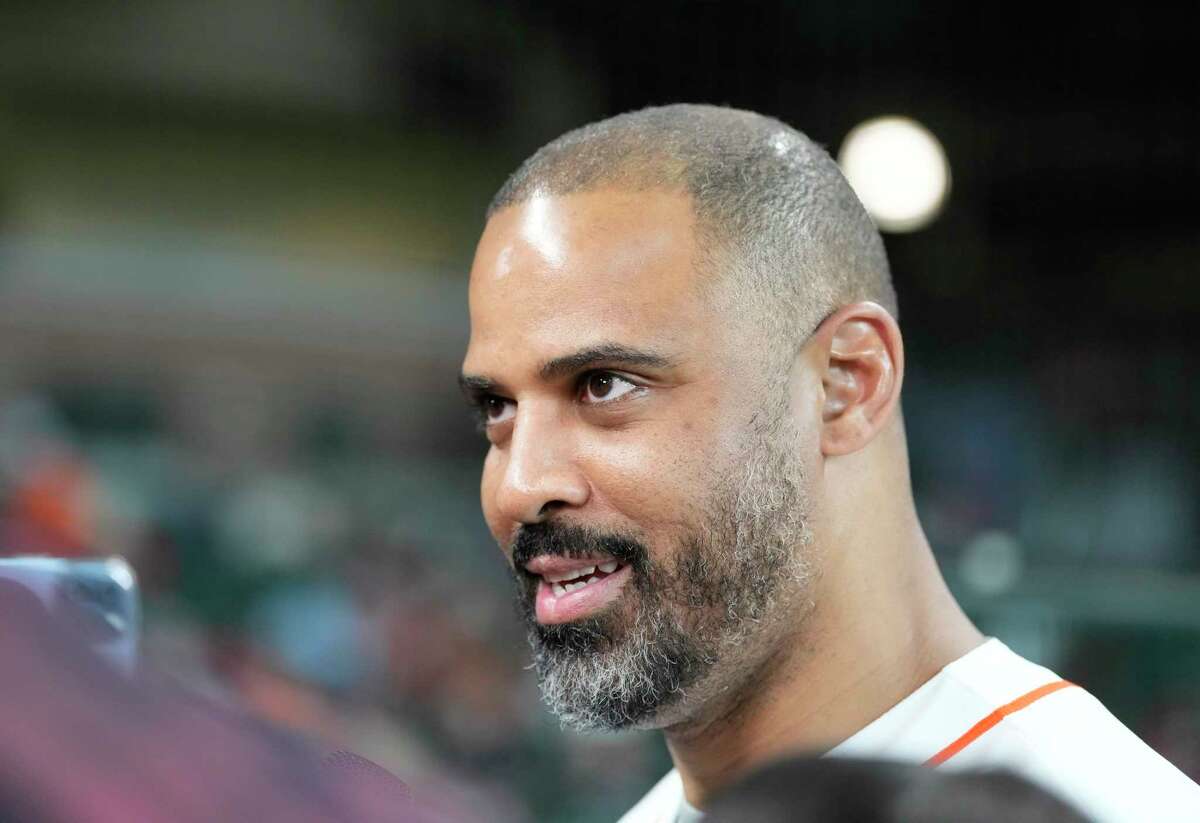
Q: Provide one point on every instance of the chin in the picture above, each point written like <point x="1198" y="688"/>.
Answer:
<point x="662" y="718"/>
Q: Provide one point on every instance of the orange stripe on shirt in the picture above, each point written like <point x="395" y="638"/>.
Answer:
<point x="981" y="728"/>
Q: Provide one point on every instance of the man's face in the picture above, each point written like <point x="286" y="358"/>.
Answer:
<point x="642" y="477"/>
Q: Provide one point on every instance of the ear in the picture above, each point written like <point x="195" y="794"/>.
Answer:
<point x="862" y="366"/>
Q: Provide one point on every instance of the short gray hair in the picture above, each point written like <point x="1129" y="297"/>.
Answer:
<point x="772" y="208"/>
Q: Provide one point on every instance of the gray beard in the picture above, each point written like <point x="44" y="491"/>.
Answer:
<point x="695" y="622"/>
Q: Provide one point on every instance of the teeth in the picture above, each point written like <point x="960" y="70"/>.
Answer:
<point x="560" y="589"/>
<point x="570" y="575"/>
<point x="583" y="577"/>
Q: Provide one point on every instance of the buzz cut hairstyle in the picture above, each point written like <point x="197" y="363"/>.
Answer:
<point x="775" y="219"/>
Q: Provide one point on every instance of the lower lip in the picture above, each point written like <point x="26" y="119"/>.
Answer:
<point x="581" y="602"/>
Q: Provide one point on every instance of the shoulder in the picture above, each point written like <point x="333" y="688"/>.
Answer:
<point x="1070" y="743"/>
<point x="1080" y="748"/>
<point x="660" y="804"/>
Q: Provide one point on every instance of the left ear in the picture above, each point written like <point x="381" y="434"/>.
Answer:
<point x="862" y="366"/>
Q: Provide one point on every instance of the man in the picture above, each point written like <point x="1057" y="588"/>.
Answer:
<point x="684" y="353"/>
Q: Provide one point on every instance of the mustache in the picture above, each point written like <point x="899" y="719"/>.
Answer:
<point x="563" y="540"/>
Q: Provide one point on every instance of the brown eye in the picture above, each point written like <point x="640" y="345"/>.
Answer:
<point x="496" y="408"/>
<point x="603" y="386"/>
<point x="599" y="385"/>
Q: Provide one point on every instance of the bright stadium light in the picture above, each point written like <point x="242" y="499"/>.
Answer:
<point x="898" y="170"/>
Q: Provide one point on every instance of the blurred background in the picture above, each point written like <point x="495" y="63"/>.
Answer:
<point x="234" y="239"/>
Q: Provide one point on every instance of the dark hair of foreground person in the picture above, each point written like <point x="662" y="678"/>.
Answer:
<point x="808" y="790"/>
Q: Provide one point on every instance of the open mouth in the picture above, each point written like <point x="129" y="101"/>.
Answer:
<point x="572" y="588"/>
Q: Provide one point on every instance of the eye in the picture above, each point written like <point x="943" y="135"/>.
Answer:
<point x="495" y="410"/>
<point x="604" y="387"/>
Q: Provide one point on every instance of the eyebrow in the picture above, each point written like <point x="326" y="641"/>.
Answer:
<point x="604" y="354"/>
<point x="608" y="354"/>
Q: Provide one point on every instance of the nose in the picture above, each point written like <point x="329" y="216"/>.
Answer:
<point x="540" y="475"/>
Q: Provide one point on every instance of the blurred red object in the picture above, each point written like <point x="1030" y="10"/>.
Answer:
<point x="52" y="509"/>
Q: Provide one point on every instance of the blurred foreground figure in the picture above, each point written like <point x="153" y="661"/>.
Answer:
<point x="859" y="791"/>
<point x="685" y="355"/>
<point x="81" y="743"/>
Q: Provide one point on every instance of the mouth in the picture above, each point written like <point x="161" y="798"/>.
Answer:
<point x="573" y="588"/>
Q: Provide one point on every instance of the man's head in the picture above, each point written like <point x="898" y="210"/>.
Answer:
<point x="669" y="337"/>
<point x="776" y="223"/>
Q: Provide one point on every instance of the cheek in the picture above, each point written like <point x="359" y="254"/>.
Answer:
<point x="656" y="483"/>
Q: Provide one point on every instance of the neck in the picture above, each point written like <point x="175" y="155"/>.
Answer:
<point x="862" y="650"/>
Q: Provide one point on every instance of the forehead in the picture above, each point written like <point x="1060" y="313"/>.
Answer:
<point x="559" y="272"/>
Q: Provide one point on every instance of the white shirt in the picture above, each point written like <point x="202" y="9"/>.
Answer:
<point x="1053" y="733"/>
